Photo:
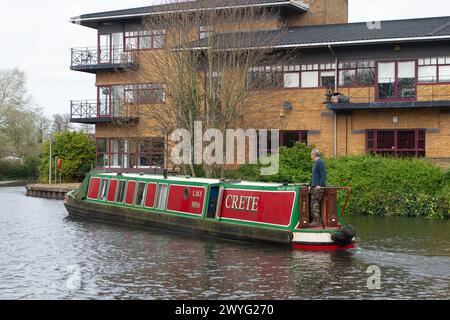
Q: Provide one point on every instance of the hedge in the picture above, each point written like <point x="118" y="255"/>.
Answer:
<point x="17" y="170"/>
<point x="382" y="186"/>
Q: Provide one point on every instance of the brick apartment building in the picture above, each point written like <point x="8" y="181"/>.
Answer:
<point x="352" y="88"/>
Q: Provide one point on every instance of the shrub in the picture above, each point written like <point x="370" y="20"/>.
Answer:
<point x="77" y="152"/>
<point x="16" y="170"/>
<point x="381" y="185"/>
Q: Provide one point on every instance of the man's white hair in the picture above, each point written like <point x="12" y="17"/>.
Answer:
<point x="315" y="152"/>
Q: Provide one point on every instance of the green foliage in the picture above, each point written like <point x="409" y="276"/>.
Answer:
<point x="381" y="185"/>
<point x="390" y="186"/>
<point x="77" y="152"/>
<point x="17" y="170"/>
<point x="295" y="165"/>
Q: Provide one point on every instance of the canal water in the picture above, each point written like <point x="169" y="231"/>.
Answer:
<point x="46" y="255"/>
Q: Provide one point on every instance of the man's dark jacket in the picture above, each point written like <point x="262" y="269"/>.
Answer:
<point x="319" y="174"/>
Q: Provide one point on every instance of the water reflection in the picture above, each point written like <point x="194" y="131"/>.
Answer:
<point x="38" y="243"/>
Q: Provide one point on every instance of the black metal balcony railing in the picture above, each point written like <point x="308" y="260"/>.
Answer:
<point x="90" y="111"/>
<point x="93" y="58"/>
<point x="422" y="92"/>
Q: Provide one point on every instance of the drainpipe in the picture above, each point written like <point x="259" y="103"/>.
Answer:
<point x="334" y="111"/>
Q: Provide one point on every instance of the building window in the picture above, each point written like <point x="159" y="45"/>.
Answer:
<point x="145" y="93"/>
<point x="205" y="31"/>
<point x="148" y="39"/>
<point x="405" y="143"/>
<point x="396" y="80"/>
<point x="309" y="76"/>
<point x="124" y="154"/>
<point x="318" y="75"/>
<point x="288" y="139"/>
<point x="293" y="76"/>
<point x="265" y="77"/>
<point x="433" y="70"/>
<point x="102" y="153"/>
<point x="151" y="153"/>
<point x="356" y="73"/>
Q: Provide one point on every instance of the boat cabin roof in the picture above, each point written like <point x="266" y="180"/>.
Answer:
<point x="189" y="179"/>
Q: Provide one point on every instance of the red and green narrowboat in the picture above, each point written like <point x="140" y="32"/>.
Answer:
<point x="249" y="211"/>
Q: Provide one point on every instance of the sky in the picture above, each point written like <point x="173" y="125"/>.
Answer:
<point x="36" y="37"/>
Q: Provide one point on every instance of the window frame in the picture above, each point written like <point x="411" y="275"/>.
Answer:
<point x="301" y="134"/>
<point x="422" y="62"/>
<point x="139" y="34"/>
<point x="131" y="151"/>
<point x="206" y="31"/>
<point x="396" y="151"/>
<point x="144" y="194"/>
<point x="292" y="69"/>
<point x="396" y="83"/>
<point x="347" y="65"/>
<point x="118" y="192"/>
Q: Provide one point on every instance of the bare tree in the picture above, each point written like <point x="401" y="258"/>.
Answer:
<point x="89" y="129"/>
<point x="22" y="124"/>
<point x="61" y="122"/>
<point x="13" y="93"/>
<point x="204" y="62"/>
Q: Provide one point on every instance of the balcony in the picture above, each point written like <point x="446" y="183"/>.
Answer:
<point x="94" y="59"/>
<point x="391" y="94"/>
<point x="93" y="112"/>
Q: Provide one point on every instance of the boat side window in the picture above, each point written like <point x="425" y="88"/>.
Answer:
<point x="162" y="197"/>
<point x="140" y="194"/>
<point x="104" y="189"/>
<point x="121" y="193"/>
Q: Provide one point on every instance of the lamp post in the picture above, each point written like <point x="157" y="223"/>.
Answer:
<point x="56" y="169"/>
<point x="50" y="162"/>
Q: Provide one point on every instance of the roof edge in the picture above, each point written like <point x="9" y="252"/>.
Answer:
<point x="114" y="14"/>
<point x="342" y="43"/>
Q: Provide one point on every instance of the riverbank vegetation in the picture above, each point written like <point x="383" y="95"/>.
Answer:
<point x="382" y="186"/>
<point x="76" y="151"/>
<point x="24" y="130"/>
<point x="11" y="170"/>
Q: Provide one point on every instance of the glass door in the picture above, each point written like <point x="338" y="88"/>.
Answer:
<point x="104" y="48"/>
<point x="117" y="48"/>
<point x="396" y="80"/>
<point x="104" y="101"/>
<point x="117" y="101"/>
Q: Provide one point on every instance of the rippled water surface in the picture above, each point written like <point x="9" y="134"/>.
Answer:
<point x="42" y="252"/>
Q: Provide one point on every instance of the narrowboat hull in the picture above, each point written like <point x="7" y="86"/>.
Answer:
<point x="80" y="209"/>
<point x="246" y="211"/>
<point x="311" y="241"/>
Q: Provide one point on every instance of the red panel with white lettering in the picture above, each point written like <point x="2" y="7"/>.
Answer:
<point x="186" y="199"/>
<point x="150" y="195"/>
<point x="258" y="206"/>
<point x="94" y="188"/>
